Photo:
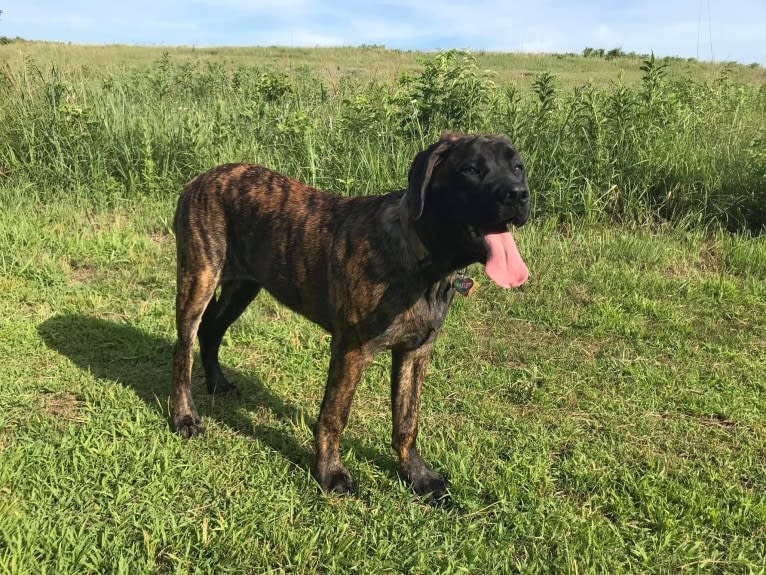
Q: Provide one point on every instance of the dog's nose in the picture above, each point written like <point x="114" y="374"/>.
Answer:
<point x="522" y="193"/>
<point x="511" y="193"/>
<point x="516" y="194"/>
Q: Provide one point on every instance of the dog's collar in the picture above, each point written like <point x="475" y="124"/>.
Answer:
<point x="419" y="250"/>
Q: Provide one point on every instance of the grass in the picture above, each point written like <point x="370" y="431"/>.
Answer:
<point x="368" y="63"/>
<point x="687" y="150"/>
<point x="609" y="416"/>
<point x="606" y="417"/>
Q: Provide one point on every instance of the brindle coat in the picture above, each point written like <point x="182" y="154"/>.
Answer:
<point x="376" y="272"/>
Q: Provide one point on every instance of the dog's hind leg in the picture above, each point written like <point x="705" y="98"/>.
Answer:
<point x="408" y="370"/>
<point x="220" y="313"/>
<point x="194" y="292"/>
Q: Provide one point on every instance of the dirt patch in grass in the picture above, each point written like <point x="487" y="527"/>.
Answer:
<point x="83" y="274"/>
<point x="715" y="420"/>
<point x="108" y="221"/>
<point x="708" y="260"/>
<point x="161" y="238"/>
<point x="61" y="406"/>
<point x="711" y="256"/>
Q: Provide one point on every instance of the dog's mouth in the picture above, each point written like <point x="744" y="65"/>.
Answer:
<point x="504" y="264"/>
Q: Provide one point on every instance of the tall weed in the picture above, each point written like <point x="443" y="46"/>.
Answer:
<point x="683" y="151"/>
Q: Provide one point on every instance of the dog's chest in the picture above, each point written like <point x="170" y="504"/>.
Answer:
<point x="420" y="323"/>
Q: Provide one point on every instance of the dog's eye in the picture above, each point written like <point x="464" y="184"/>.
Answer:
<point x="517" y="169"/>
<point x="470" y="170"/>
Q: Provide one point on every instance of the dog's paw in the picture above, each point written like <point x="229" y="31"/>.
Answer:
<point x="337" y="480"/>
<point x="431" y="485"/>
<point x="221" y="386"/>
<point x="188" y="426"/>
<point x="224" y="389"/>
<point x="423" y="480"/>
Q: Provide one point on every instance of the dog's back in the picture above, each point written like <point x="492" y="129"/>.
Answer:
<point x="246" y="222"/>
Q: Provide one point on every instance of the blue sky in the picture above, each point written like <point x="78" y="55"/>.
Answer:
<point x="735" y="29"/>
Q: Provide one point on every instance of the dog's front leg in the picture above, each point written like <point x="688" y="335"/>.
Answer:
<point x="408" y="371"/>
<point x="346" y="368"/>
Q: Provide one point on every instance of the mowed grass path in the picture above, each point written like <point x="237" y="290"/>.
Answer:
<point x="610" y="416"/>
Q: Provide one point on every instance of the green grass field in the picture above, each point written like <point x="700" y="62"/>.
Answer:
<point x="373" y="62"/>
<point x="609" y="416"/>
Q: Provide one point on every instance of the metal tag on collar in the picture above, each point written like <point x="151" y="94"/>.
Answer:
<point x="465" y="285"/>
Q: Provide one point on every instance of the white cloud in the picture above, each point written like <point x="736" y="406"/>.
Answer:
<point x="294" y="37"/>
<point x="547" y="25"/>
<point x="603" y="33"/>
<point x="371" y="30"/>
<point x="290" y="8"/>
<point x="537" y="46"/>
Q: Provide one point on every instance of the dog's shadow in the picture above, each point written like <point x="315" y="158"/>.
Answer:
<point x="126" y="355"/>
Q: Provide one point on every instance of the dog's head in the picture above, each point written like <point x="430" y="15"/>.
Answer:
<point x="464" y="192"/>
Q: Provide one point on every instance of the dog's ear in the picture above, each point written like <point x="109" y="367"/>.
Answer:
<point x="421" y="170"/>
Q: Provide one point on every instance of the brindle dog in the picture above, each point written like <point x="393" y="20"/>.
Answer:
<point x="377" y="272"/>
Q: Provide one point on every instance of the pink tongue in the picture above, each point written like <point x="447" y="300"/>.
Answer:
<point x="504" y="264"/>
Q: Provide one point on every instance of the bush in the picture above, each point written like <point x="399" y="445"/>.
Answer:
<point x="659" y="150"/>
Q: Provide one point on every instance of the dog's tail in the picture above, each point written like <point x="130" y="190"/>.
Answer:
<point x="182" y="200"/>
<point x="176" y="217"/>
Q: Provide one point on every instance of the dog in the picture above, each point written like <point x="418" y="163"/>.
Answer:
<point x="376" y="272"/>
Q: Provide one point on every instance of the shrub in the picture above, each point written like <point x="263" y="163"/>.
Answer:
<point x="659" y="150"/>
